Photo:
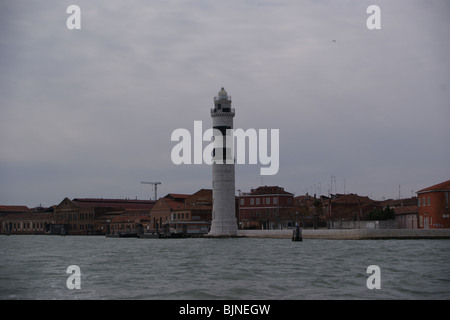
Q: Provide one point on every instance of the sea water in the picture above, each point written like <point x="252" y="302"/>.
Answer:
<point x="36" y="267"/>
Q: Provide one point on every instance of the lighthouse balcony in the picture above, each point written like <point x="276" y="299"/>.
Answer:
<point x="222" y="111"/>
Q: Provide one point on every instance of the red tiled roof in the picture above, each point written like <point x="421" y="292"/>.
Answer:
<point x="114" y="203"/>
<point x="14" y="208"/>
<point x="268" y="190"/>
<point x="352" y="198"/>
<point x="399" y="202"/>
<point x="177" y="196"/>
<point x="29" y="216"/>
<point x="174" y="205"/>
<point x="406" y="210"/>
<point x="440" y="186"/>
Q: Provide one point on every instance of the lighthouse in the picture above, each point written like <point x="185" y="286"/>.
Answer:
<point x="224" y="221"/>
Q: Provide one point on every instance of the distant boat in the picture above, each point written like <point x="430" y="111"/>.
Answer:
<point x="127" y="235"/>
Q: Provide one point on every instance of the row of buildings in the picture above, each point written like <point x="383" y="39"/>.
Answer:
<point x="266" y="207"/>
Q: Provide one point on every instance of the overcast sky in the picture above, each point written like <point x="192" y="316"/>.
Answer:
<point x="90" y="112"/>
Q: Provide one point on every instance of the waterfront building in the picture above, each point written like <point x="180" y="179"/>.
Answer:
<point x="87" y="216"/>
<point x="266" y="207"/>
<point x="10" y="210"/>
<point x="163" y="208"/>
<point x="129" y="223"/>
<point x="348" y="207"/>
<point x="406" y="216"/>
<point x="194" y="217"/>
<point x="433" y="204"/>
<point x="224" y="221"/>
<point x="27" y="223"/>
<point x="309" y="211"/>
<point x="405" y="210"/>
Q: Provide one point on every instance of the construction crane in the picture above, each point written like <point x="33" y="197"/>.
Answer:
<point x="155" y="184"/>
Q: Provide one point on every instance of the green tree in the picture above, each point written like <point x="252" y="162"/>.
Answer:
<point x="382" y="214"/>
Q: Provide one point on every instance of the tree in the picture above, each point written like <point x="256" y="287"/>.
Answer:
<point x="382" y="214"/>
<point x="317" y="212"/>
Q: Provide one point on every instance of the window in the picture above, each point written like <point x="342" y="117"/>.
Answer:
<point x="267" y="200"/>
<point x="275" y="200"/>
<point x="257" y="200"/>
<point x="429" y="201"/>
<point x="252" y="201"/>
<point x="446" y="200"/>
<point x="418" y="202"/>
<point x="242" y="201"/>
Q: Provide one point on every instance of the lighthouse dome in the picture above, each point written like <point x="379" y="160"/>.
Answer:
<point x="222" y="95"/>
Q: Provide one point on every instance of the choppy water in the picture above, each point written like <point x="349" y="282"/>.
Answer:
<point x="34" y="267"/>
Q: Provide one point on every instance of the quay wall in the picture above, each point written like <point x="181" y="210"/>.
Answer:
<point x="351" y="234"/>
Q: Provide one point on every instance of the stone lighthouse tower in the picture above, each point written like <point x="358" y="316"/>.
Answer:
<point x="224" y="221"/>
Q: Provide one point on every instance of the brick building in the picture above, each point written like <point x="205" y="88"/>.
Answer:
<point x="27" y="223"/>
<point x="406" y="217"/>
<point x="405" y="210"/>
<point x="128" y="224"/>
<point x="268" y="207"/>
<point x="195" y="215"/>
<point x="92" y="216"/>
<point x="163" y="208"/>
<point x="349" y="207"/>
<point x="309" y="212"/>
<point x="433" y="204"/>
<point x="10" y="211"/>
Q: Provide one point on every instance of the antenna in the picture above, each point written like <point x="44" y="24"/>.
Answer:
<point x="155" y="184"/>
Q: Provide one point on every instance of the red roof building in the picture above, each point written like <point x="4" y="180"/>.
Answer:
<point x="406" y="216"/>
<point x="92" y="216"/>
<point x="268" y="207"/>
<point x="26" y="223"/>
<point x="433" y="203"/>
<point x="194" y="217"/>
<point x="349" y="207"/>
<point x="163" y="208"/>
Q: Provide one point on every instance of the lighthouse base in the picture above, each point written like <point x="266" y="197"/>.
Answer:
<point x="223" y="229"/>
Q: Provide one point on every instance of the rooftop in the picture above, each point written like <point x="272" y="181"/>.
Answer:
<point x="14" y="209"/>
<point x="121" y="203"/>
<point x="267" y="190"/>
<point x="443" y="186"/>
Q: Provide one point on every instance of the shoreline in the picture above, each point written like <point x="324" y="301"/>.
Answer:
<point x="351" y="234"/>
<point x="326" y="234"/>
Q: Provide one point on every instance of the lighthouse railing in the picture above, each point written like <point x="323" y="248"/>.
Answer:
<point x="222" y="98"/>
